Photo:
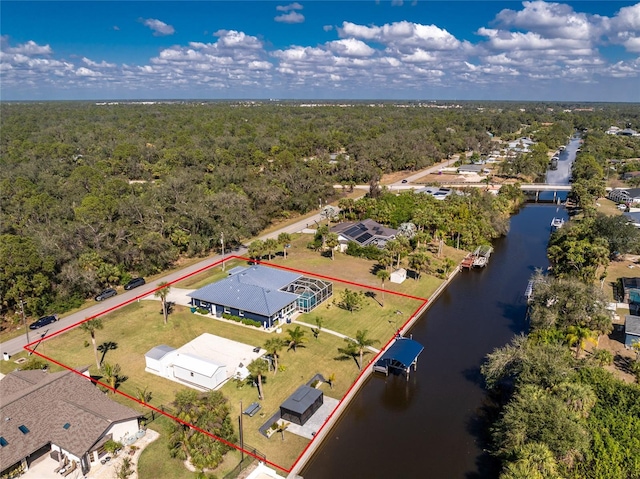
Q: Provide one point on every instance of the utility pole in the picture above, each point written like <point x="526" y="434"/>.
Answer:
<point x="222" y="243"/>
<point x="24" y="319"/>
<point x="241" y="436"/>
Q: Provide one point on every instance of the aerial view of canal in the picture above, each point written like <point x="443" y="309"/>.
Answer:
<point x="430" y="426"/>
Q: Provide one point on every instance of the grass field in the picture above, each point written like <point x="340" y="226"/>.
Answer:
<point x="135" y="329"/>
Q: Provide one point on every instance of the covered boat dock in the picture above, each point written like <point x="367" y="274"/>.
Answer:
<point x="401" y="355"/>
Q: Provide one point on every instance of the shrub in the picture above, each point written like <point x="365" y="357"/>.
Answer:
<point x="202" y="310"/>
<point x="237" y="319"/>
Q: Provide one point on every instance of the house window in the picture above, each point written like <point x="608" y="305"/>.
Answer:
<point x="227" y="310"/>
<point x="24" y="429"/>
<point x="66" y="426"/>
<point x="241" y="313"/>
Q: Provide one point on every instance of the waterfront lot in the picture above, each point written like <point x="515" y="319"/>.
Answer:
<point x="133" y="330"/>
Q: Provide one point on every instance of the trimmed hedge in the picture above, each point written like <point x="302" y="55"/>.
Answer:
<point x="237" y="319"/>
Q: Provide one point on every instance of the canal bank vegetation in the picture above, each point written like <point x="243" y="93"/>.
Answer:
<point x="560" y="413"/>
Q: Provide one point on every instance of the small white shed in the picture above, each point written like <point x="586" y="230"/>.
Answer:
<point x="398" y="276"/>
<point x="158" y="359"/>
<point x="201" y="372"/>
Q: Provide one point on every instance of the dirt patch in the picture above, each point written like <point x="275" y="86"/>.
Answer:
<point x="622" y="357"/>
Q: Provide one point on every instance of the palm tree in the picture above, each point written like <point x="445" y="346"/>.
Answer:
<point x="363" y="342"/>
<point x="162" y="293"/>
<point x="331" y="379"/>
<point x="580" y="337"/>
<point x="284" y="239"/>
<point x="143" y="395"/>
<point x="272" y="346"/>
<point x="256" y="250"/>
<point x="258" y="368"/>
<point x="332" y="242"/>
<point x="296" y="337"/>
<point x="384" y="275"/>
<point x="282" y="427"/>
<point x="90" y="327"/>
<point x="270" y="247"/>
<point x="316" y="331"/>
<point x="111" y="375"/>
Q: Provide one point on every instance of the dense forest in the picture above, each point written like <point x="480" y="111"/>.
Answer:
<point x="95" y="193"/>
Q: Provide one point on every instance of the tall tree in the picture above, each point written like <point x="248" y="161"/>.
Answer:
<point x="91" y="326"/>
<point x="580" y="336"/>
<point x="111" y="374"/>
<point x="209" y="412"/>
<point x="332" y="243"/>
<point x="270" y="247"/>
<point x="284" y="239"/>
<point x="363" y="342"/>
<point x="256" y="250"/>
<point x="257" y="368"/>
<point x="383" y="275"/>
<point x="273" y="347"/>
<point x="162" y="293"/>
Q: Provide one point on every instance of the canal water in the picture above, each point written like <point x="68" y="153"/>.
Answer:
<point x="430" y="426"/>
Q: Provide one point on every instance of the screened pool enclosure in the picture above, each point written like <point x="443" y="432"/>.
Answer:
<point x="311" y="292"/>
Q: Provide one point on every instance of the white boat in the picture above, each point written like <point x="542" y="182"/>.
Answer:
<point x="557" y="223"/>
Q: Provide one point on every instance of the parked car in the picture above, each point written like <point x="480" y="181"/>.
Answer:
<point x="404" y="181"/>
<point x="134" y="283"/>
<point x="106" y="294"/>
<point x="43" y="321"/>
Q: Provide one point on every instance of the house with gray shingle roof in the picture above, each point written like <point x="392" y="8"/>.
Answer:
<point x="58" y="413"/>
<point x="260" y="293"/>
<point x="364" y="233"/>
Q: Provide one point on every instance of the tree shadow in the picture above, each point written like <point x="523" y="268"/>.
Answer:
<point x="372" y="295"/>
<point x="478" y="426"/>
<point x="346" y="357"/>
<point x="375" y="268"/>
<point x="105" y="347"/>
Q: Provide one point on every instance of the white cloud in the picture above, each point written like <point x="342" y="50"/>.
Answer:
<point x="28" y="48"/>
<point x="86" y="72"/>
<point x="287" y="8"/>
<point x="159" y="27"/>
<point x="351" y="47"/>
<point x="291" y="17"/>
<point x="327" y="28"/>
<point x="102" y="64"/>
<point x="397" y="3"/>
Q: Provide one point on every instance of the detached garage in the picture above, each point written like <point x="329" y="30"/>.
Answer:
<point x="201" y="372"/>
<point x="301" y="405"/>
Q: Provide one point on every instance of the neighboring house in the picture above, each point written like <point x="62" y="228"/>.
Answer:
<point x="58" y="413"/>
<point x="260" y="293"/>
<point x="631" y="330"/>
<point x="477" y="169"/>
<point x="630" y="174"/>
<point x="204" y="363"/>
<point x="625" y="195"/>
<point x="522" y="145"/>
<point x="364" y="233"/>
<point x="439" y="193"/>
<point x="628" y="132"/>
<point x="613" y="130"/>
<point x="631" y="290"/>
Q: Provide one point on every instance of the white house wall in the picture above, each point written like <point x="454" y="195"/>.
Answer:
<point x="121" y="429"/>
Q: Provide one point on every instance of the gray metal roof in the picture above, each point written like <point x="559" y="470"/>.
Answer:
<point x="256" y="289"/>
<point x="159" y="352"/>
<point x="301" y="399"/>
<point x="237" y="269"/>
<point x="632" y="325"/>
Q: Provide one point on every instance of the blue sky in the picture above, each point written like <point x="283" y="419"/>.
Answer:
<point x="400" y="49"/>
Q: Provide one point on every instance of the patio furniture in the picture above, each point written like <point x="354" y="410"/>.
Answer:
<point x="73" y="467"/>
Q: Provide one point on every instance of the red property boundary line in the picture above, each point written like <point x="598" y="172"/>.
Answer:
<point x="31" y="350"/>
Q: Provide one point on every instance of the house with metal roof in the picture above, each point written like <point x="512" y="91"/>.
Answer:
<point x="364" y="233"/>
<point x="264" y="294"/>
<point x="60" y="414"/>
<point x="625" y="195"/>
<point x="631" y="330"/>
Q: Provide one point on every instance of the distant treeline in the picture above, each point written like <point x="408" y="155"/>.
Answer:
<point x="92" y="194"/>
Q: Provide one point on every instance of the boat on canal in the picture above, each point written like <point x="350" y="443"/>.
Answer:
<point x="557" y="223"/>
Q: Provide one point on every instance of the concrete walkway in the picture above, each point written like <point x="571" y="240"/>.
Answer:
<point x="335" y="333"/>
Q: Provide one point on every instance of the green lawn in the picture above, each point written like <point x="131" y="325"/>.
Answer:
<point x="138" y="327"/>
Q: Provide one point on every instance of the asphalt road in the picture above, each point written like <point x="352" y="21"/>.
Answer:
<point x="123" y="298"/>
<point x="15" y="345"/>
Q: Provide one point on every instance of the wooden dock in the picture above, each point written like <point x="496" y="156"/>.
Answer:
<point x="478" y="259"/>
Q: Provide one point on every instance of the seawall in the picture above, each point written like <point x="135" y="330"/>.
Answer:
<point x="367" y="371"/>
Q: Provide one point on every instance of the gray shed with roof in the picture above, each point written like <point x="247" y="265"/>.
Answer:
<point x="260" y="293"/>
<point x="631" y="330"/>
<point x="301" y="405"/>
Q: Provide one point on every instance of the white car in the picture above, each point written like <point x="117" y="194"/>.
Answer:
<point x="622" y="206"/>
